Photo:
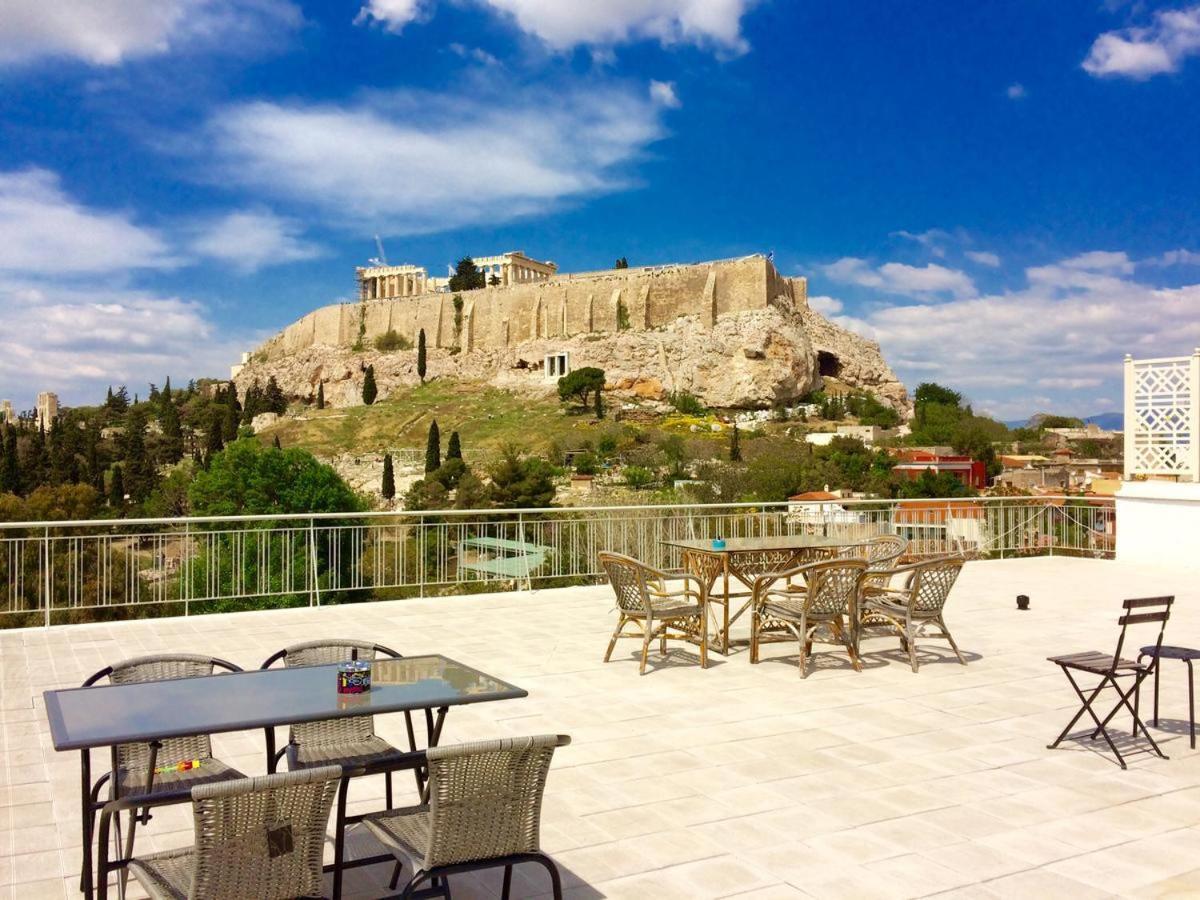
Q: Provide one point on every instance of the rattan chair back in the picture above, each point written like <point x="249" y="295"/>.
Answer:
<point x="628" y="579"/>
<point x="162" y="667"/>
<point x="832" y="586"/>
<point x="879" y="552"/>
<point x="263" y="837"/>
<point x="932" y="581"/>
<point x="485" y="798"/>
<point x="321" y="653"/>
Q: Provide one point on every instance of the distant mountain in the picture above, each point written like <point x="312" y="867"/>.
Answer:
<point x="1109" y="421"/>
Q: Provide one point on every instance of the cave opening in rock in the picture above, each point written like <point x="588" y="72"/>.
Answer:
<point x="828" y="364"/>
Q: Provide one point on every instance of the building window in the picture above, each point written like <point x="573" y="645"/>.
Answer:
<point x="557" y="364"/>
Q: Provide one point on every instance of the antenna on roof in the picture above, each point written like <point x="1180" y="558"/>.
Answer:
<point x="381" y="259"/>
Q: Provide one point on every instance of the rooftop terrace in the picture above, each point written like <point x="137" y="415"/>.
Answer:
<point x="736" y="781"/>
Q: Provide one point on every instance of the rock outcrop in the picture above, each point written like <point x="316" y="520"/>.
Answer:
<point x="749" y="342"/>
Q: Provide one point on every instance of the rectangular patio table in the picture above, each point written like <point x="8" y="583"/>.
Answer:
<point x="148" y="712"/>
<point x="745" y="559"/>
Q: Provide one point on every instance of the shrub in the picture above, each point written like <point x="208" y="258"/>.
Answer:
<point x="392" y="340"/>
<point x="687" y="403"/>
<point x="638" y="477"/>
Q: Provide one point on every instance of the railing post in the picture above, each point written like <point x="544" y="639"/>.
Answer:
<point x="1130" y="419"/>
<point x="314" y="593"/>
<point x="1194" y="416"/>
<point x="47" y="591"/>
<point x="186" y="574"/>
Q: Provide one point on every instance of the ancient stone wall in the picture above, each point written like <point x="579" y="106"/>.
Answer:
<point x="495" y="318"/>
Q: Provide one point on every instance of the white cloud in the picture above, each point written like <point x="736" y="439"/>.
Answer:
<point x="562" y="24"/>
<point x="478" y="54"/>
<point x="392" y="14"/>
<point x="826" y="306"/>
<point x="663" y="93"/>
<point x="1100" y="261"/>
<point x="932" y="240"/>
<point x="408" y="162"/>
<point x="110" y="32"/>
<point x="1066" y="331"/>
<point x="75" y="341"/>
<point x="1143" y="52"/>
<point x="42" y="230"/>
<point x="1015" y="91"/>
<point x="1179" y="257"/>
<point x="899" y="278"/>
<point x="983" y="257"/>
<point x="250" y="240"/>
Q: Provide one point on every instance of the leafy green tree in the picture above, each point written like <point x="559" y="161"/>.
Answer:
<point x="427" y="493"/>
<point x="433" y="449"/>
<point x="687" y="403"/>
<point x="454" y="447"/>
<point x="621" y="263"/>
<point x="390" y="341"/>
<point x="930" y="392"/>
<point x="735" y="445"/>
<point x="388" y="486"/>
<point x="580" y="384"/>
<point x="467" y="276"/>
<point x="247" y="478"/>
<point x="421" y="360"/>
<point x="230" y="423"/>
<point x="369" y="391"/>
<point x="521" y="482"/>
<point x="638" y="477"/>
<point x="471" y="492"/>
<point x="930" y="485"/>
<point x="450" y="473"/>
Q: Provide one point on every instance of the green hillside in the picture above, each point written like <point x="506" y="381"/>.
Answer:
<point x="484" y="416"/>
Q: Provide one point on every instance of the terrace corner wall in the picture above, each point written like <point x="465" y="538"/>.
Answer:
<point x="1158" y="524"/>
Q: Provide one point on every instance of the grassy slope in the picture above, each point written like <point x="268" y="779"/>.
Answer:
<point x="485" y="417"/>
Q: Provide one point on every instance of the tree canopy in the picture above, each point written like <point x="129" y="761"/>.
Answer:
<point x="581" y="384"/>
<point x="467" y="276"/>
<point x="247" y="478"/>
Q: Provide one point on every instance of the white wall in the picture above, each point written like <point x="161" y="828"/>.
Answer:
<point x="1158" y="523"/>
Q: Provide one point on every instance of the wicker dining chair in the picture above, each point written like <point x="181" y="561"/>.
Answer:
<point x="911" y="609"/>
<point x="645" y="604"/>
<point x="881" y="552"/>
<point x="829" y="600"/>
<point x="256" y="839"/>
<point x="349" y="742"/>
<point x="484" y="811"/>
<point x="130" y="775"/>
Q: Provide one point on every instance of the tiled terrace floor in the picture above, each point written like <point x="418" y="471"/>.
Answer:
<point x="739" y="780"/>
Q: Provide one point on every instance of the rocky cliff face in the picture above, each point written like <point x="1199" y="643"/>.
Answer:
<point x="752" y="359"/>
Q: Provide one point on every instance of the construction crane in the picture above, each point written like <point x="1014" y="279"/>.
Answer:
<point x="381" y="259"/>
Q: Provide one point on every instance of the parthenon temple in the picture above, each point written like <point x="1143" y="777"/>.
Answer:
<point x="391" y="282"/>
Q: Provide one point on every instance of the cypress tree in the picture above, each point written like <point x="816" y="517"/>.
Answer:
<point x="599" y="404"/>
<point x="10" y="475"/>
<point x="229" y="428"/>
<point x="166" y="392"/>
<point x="388" y="487"/>
<point x="735" y="446"/>
<point x="278" y="446"/>
<point x="454" y="447"/>
<point x="433" y="449"/>
<point x="116" y="489"/>
<point x="369" y="391"/>
<point x="421" y="356"/>
<point x="139" y="467"/>
<point x="172" y="432"/>
<point x="273" y="399"/>
<point x="321" y="395"/>
<point x="213" y="442"/>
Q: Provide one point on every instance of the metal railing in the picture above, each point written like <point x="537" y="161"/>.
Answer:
<point x="53" y="572"/>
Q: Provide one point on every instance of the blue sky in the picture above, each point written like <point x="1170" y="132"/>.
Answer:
<point x="1004" y="195"/>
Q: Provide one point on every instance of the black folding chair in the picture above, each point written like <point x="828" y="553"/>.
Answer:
<point x="1113" y="668"/>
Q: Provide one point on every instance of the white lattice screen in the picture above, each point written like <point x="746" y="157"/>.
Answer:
<point x="1162" y="413"/>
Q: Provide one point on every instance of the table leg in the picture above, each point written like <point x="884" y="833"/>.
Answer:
<point x="85" y="807"/>
<point x="1191" y="703"/>
<point x="339" y="838"/>
<point x="725" y="614"/>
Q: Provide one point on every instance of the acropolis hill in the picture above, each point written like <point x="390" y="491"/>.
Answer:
<point x="734" y="332"/>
